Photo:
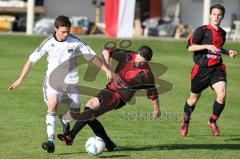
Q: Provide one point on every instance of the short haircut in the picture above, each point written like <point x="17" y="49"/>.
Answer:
<point x="145" y="52"/>
<point x="218" y="6"/>
<point x="62" y="21"/>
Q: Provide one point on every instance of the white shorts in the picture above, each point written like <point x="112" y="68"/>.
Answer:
<point x="70" y="96"/>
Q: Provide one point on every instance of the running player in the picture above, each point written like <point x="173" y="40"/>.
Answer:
<point x="206" y="43"/>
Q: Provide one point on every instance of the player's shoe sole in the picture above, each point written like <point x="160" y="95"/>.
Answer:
<point x="65" y="138"/>
<point x="184" y="129"/>
<point x="214" y="128"/>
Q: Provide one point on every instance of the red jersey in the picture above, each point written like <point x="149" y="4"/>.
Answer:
<point x="207" y="35"/>
<point x="132" y="77"/>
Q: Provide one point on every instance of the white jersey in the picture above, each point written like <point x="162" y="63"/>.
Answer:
<point x="59" y="52"/>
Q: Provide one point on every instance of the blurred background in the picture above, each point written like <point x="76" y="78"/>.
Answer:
<point x="117" y="18"/>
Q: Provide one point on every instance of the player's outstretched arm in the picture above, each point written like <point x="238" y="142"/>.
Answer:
<point x="25" y="70"/>
<point x="98" y="62"/>
<point x="156" y="109"/>
<point x="196" y="47"/>
<point x="230" y="53"/>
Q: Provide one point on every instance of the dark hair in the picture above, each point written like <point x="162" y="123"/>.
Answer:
<point x="218" y="6"/>
<point x="62" y="21"/>
<point x="145" y="52"/>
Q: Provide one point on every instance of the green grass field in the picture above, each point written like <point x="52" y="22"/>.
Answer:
<point x="22" y="112"/>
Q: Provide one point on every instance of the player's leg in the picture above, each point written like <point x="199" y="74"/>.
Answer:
<point x="69" y="101"/>
<point x="190" y="106"/>
<point x="51" y="98"/>
<point x="97" y="128"/>
<point x="105" y="101"/>
<point x="51" y="122"/>
<point x="95" y="125"/>
<point x="219" y="84"/>
<point x="200" y="80"/>
<point x="218" y="105"/>
<point x="68" y="138"/>
<point x="91" y="104"/>
<point x="188" y="109"/>
<point x="99" y="131"/>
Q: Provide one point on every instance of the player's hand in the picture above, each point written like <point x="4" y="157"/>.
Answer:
<point x="15" y="84"/>
<point x="156" y="114"/>
<point x="212" y="48"/>
<point x="111" y="75"/>
<point x="232" y="53"/>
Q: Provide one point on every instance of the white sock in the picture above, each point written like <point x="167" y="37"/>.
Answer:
<point x="66" y="118"/>
<point x="51" y="122"/>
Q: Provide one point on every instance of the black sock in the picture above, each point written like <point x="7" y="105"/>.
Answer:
<point x="79" y="125"/>
<point x="187" y="112"/>
<point x="217" y="110"/>
<point x="99" y="130"/>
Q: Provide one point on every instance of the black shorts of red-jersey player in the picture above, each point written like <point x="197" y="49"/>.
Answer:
<point x="208" y="68"/>
<point x="132" y="78"/>
<point x="202" y="77"/>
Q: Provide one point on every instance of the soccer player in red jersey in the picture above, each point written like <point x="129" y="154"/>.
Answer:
<point x="206" y="43"/>
<point x="134" y="74"/>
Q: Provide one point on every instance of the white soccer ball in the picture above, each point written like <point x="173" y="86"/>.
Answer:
<point x="95" y="145"/>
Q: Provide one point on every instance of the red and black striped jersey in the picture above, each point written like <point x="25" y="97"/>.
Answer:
<point x="132" y="77"/>
<point x="207" y="35"/>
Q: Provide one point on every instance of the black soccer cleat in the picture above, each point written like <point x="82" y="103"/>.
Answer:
<point x="48" y="146"/>
<point x="110" y="146"/>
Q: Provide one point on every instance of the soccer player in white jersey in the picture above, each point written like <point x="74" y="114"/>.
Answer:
<point x="59" y="48"/>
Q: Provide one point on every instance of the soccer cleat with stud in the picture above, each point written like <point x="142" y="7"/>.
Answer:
<point x="184" y="129"/>
<point x="68" y="139"/>
<point x="48" y="146"/>
<point x="214" y="128"/>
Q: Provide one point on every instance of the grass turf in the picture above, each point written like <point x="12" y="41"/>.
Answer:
<point x="22" y="127"/>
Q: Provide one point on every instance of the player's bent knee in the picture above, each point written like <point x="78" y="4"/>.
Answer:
<point x="221" y="98"/>
<point x="86" y="115"/>
<point x="93" y="103"/>
<point x="75" y="112"/>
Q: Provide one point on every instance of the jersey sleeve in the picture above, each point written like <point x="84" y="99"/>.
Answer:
<point x="152" y="92"/>
<point x="119" y="54"/>
<point x="39" y="52"/>
<point x="196" y="37"/>
<point x="87" y="52"/>
<point x="224" y="36"/>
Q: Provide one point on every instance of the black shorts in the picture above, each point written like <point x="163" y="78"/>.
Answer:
<point x="109" y="100"/>
<point x="202" y="77"/>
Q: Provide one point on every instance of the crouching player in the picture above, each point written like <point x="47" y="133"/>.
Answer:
<point x="134" y="74"/>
